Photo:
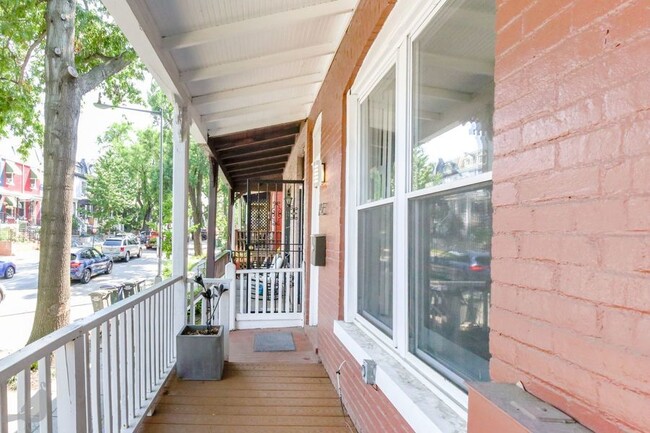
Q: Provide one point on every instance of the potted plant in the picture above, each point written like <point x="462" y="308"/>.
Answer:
<point x="200" y="348"/>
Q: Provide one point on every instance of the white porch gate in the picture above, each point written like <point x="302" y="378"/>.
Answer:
<point x="269" y="298"/>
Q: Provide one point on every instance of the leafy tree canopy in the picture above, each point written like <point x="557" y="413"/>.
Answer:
<point x="22" y="64"/>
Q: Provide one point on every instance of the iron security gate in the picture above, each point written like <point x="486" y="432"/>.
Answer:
<point x="274" y="220"/>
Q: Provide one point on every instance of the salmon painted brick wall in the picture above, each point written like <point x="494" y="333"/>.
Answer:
<point x="368" y="407"/>
<point x="570" y="311"/>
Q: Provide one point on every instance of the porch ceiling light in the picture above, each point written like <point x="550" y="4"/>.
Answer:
<point x="99" y="104"/>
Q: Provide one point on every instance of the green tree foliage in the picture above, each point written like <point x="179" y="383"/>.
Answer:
<point x="124" y="186"/>
<point x="22" y="63"/>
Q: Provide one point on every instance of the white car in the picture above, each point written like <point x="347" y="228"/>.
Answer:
<point x="122" y="248"/>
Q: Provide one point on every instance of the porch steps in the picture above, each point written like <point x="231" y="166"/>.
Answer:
<point x="252" y="398"/>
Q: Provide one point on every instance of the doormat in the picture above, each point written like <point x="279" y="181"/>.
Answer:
<point x="274" y="342"/>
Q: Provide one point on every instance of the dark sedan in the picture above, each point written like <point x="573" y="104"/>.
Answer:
<point x="87" y="262"/>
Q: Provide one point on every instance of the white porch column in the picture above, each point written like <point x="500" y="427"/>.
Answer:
<point x="181" y="139"/>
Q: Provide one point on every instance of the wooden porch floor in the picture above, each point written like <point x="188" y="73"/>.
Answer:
<point x="261" y="392"/>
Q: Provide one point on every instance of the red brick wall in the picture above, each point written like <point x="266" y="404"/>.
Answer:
<point x="571" y="251"/>
<point x="369" y="408"/>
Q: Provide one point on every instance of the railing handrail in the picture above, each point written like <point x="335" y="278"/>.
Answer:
<point x="23" y="358"/>
<point x="268" y="270"/>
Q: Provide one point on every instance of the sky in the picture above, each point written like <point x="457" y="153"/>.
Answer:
<point x="93" y="122"/>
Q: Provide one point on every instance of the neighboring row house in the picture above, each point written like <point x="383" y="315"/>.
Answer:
<point x="21" y="192"/>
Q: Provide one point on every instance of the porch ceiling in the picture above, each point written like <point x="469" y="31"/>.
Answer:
<point x="256" y="153"/>
<point x="239" y="64"/>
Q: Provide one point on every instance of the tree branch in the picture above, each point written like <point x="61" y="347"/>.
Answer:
<point x="28" y="56"/>
<point x="100" y="73"/>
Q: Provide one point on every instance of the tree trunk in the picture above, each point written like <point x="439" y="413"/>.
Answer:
<point x="63" y="93"/>
<point x="195" y="203"/>
<point x="62" y="107"/>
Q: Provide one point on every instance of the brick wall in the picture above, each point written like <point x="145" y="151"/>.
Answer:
<point x="571" y="251"/>
<point x="368" y="407"/>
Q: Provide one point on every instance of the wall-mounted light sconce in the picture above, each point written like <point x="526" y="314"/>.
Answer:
<point x="318" y="173"/>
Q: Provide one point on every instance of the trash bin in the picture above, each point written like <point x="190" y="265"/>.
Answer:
<point x="113" y="291"/>
<point x="128" y="289"/>
<point x="100" y="299"/>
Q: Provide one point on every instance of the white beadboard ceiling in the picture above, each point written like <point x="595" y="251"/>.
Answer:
<point x="240" y="64"/>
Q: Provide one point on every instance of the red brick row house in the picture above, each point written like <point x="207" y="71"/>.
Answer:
<point x="479" y="170"/>
<point x="20" y="193"/>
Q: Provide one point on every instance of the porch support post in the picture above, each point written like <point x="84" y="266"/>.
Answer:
<point x="212" y="218"/>
<point x="231" y="215"/>
<point x="181" y="139"/>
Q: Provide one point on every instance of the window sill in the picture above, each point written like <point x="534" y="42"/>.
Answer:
<point x="420" y="406"/>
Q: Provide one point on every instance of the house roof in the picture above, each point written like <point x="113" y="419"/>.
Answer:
<point x="241" y="65"/>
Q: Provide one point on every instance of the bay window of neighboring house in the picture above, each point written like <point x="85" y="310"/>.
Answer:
<point x="419" y="173"/>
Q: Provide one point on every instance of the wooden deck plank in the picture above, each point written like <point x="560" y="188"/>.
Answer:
<point x="256" y="386"/>
<point x="252" y="398"/>
<point x="245" y="420"/>
<point x="244" y="379"/>
<point x="255" y="402"/>
<point x="295" y="367"/>
<point x="252" y="393"/>
<point x="170" y="428"/>
<point x="281" y="410"/>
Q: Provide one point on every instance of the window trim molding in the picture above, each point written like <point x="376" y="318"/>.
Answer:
<point x="393" y="48"/>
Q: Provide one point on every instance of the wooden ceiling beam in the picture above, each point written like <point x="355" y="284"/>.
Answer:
<point x="258" y="162"/>
<point x="237" y="172"/>
<point x="253" y="135"/>
<point x="226" y="157"/>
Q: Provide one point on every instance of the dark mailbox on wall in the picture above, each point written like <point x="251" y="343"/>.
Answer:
<point x="318" y="250"/>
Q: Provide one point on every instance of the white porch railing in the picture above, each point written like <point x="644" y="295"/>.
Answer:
<point x="99" y="374"/>
<point x="269" y="298"/>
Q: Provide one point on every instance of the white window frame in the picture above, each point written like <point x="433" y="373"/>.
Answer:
<point x="9" y="177"/>
<point x="393" y="48"/>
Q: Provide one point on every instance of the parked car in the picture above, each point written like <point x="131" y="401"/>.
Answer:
<point x="461" y="266"/>
<point x="122" y="248"/>
<point x="88" y="262"/>
<point x="7" y="269"/>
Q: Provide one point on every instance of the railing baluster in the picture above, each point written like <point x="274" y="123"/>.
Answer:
<point x="150" y="360"/>
<point x="137" y="358"/>
<point x="71" y="387"/>
<point x="243" y="288"/>
<point x="281" y="292"/>
<point x="116" y="370"/>
<point x="89" y="379"/>
<point x="24" y="401"/>
<point x="287" y="288"/>
<point x="130" y="370"/>
<point x="4" y="416"/>
<point x="295" y="283"/>
<point x="106" y="388"/>
<point x="95" y="382"/>
<point x="45" y="395"/>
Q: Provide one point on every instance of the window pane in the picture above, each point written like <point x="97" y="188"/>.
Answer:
<point x="449" y="283"/>
<point x="377" y="177"/>
<point x="453" y="100"/>
<point x="375" y="293"/>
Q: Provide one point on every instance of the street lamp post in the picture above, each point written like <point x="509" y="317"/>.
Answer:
<point x="101" y="105"/>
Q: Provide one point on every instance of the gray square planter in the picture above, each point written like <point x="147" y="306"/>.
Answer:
<point x="199" y="357"/>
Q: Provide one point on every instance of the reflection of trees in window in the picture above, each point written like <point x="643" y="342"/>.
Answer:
<point x="424" y="172"/>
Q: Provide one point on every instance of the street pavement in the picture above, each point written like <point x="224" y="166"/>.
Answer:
<point x="17" y="310"/>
